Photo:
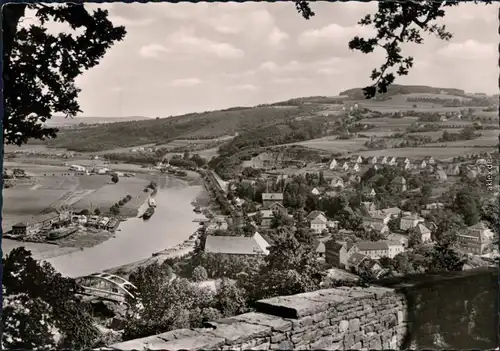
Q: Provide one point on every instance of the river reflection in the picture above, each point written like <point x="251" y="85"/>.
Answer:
<point x="137" y="239"/>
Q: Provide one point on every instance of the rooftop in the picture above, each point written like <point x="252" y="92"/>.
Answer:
<point x="237" y="245"/>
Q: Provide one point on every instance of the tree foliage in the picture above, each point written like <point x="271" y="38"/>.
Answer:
<point x="40" y="68"/>
<point x="49" y="297"/>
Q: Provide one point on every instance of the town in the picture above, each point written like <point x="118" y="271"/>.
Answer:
<point x="261" y="176"/>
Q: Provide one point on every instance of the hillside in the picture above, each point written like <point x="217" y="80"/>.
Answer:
<point x="160" y="131"/>
<point x="357" y="93"/>
<point x="63" y="122"/>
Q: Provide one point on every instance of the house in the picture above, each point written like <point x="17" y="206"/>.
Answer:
<point x="406" y="160"/>
<point x="407" y="166"/>
<point x="356" y="167"/>
<point x="319" y="247"/>
<point x="36" y="224"/>
<point x="333" y="164"/>
<point x="423" y="164"/>
<point x="355" y="260"/>
<point x="267" y="218"/>
<point x="337" y="182"/>
<point x="345" y="166"/>
<point x="281" y="178"/>
<point x="379" y="217"/>
<point x="453" y="170"/>
<point x="441" y="175"/>
<point x="431" y="160"/>
<point x="20" y="229"/>
<point x="357" y="159"/>
<point x="477" y="239"/>
<point x="237" y="245"/>
<point x="316" y="192"/>
<point x="77" y="168"/>
<point x="375" y="167"/>
<point x="318" y="221"/>
<point x="372" y="160"/>
<point x="277" y="207"/>
<point x="270" y="198"/>
<point x="336" y="254"/>
<point x="411" y="221"/>
<point x="378" y="249"/>
<point x="383" y="160"/>
<point x="393" y="161"/>
<point x="378" y="227"/>
<point x="424" y="232"/>
<point x="79" y="219"/>
<point x="393" y="212"/>
<point x="399" y="183"/>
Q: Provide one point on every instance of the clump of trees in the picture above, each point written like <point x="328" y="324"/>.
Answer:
<point x="40" y="308"/>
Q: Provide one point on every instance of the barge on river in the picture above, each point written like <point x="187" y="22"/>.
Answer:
<point x="59" y="234"/>
<point x="149" y="212"/>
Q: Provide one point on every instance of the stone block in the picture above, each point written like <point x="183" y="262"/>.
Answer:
<point x="189" y="343"/>
<point x="276" y="323"/>
<point x="296" y="306"/>
<point x="277" y="337"/>
<point x="284" y="345"/>
<point x="240" y="332"/>
<point x="354" y="325"/>
<point x="298" y="324"/>
<point x="343" y="326"/>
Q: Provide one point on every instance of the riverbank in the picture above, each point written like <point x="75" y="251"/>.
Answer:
<point x="170" y="226"/>
<point x="202" y="201"/>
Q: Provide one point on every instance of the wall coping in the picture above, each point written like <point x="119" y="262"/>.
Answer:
<point x="280" y="314"/>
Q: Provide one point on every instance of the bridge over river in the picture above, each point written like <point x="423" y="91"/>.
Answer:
<point x="106" y="286"/>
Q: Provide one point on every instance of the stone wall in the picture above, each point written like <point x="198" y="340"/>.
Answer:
<point x="454" y="311"/>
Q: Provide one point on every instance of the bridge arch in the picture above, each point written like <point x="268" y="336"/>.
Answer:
<point x="107" y="285"/>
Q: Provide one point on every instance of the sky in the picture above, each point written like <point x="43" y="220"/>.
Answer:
<point x="182" y="58"/>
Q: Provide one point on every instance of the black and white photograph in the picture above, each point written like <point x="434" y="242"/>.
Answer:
<point x="291" y="175"/>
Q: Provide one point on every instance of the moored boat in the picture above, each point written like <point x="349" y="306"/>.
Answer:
<point x="149" y="212"/>
<point x="151" y="202"/>
<point x="58" y="234"/>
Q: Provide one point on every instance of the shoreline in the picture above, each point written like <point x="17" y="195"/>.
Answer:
<point x="53" y="250"/>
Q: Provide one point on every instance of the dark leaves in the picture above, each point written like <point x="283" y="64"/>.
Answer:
<point x="304" y="9"/>
<point x="40" y="68"/>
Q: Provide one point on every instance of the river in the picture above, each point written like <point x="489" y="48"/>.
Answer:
<point x="137" y="239"/>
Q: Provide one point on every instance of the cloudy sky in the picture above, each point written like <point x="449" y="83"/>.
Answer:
<point x="180" y="58"/>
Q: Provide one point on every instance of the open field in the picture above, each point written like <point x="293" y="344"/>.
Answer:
<point x="108" y="194"/>
<point x="332" y="144"/>
<point x="421" y="152"/>
<point x="390" y="122"/>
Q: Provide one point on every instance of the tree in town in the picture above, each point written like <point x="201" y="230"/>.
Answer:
<point x="200" y="274"/>
<point x="468" y="203"/>
<point x="43" y="65"/>
<point x="448" y="224"/>
<point x="229" y="298"/>
<point x="40" y="308"/>
<point x="290" y="268"/>
<point x="162" y="304"/>
<point x="114" y="178"/>
<point x="280" y="219"/>
<point x="414" y="238"/>
<point x="97" y="212"/>
<point x="444" y="257"/>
